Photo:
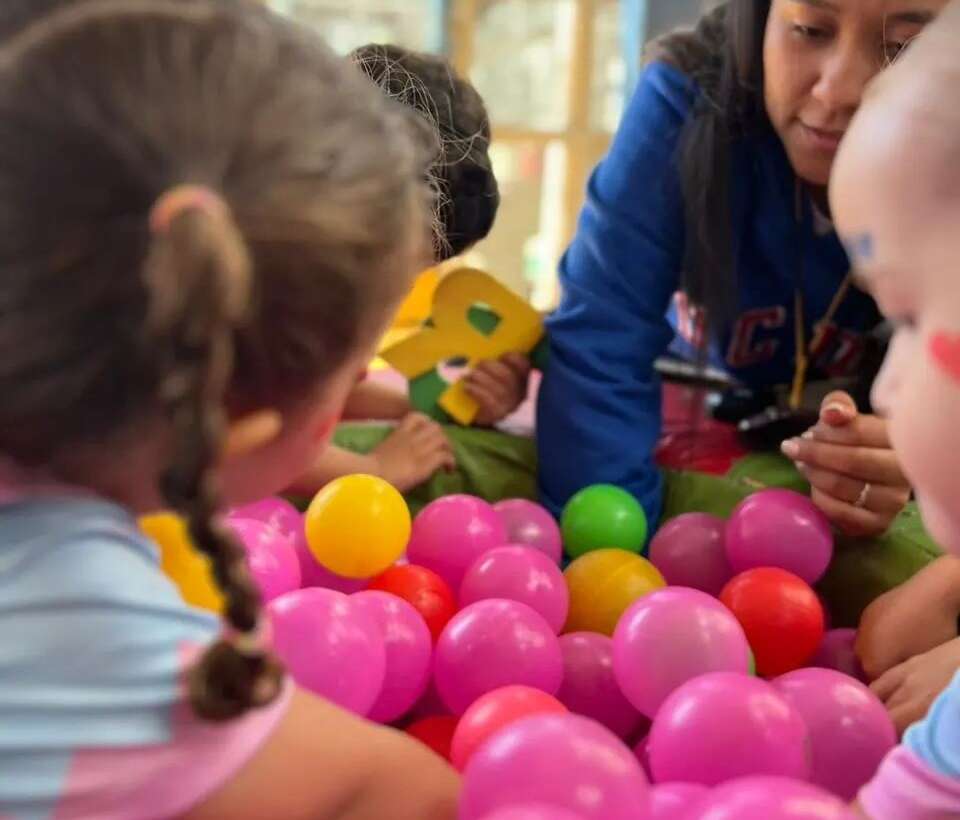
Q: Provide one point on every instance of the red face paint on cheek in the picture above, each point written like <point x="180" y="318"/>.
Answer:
<point x="945" y="349"/>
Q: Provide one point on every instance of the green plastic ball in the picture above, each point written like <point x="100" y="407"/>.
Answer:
<point x="603" y="517"/>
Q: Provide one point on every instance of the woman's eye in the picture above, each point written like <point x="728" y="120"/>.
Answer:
<point x="904" y="324"/>
<point x="809" y="32"/>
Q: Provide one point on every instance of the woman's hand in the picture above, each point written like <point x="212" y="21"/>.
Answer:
<point x="909" y="689"/>
<point x="854" y="473"/>
<point x="911" y="619"/>
<point x="499" y="387"/>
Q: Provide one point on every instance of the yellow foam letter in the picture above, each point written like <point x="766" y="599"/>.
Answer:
<point x="451" y="335"/>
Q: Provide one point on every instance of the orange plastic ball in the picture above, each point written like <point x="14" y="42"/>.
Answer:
<point x="603" y="584"/>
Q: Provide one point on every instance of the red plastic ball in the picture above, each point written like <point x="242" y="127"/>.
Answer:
<point x="435" y="732"/>
<point x="492" y="712"/>
<point x="781" y="614"/>
<point x="423" y="589"/>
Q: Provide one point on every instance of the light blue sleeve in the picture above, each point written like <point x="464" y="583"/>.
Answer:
<point x="936" y="738"/>
<point x="93" y="645"/>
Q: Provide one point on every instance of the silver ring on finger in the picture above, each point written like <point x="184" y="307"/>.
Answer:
<point x="864" y="496"/>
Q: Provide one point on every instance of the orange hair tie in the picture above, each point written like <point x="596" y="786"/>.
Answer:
<point x="183" y="198"/>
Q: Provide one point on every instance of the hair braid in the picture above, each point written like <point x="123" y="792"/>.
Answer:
<point x="199" y="275"/>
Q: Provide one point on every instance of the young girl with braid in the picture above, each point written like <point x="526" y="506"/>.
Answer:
<point x="206" y="221"/>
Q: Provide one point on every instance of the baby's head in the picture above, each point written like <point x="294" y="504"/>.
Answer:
<point x="462" y="173"/>
<point x="206" y="221"/>
<point x="896" y="199"/>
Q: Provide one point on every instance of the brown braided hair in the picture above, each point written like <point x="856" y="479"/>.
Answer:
<point x="105" y="325"/>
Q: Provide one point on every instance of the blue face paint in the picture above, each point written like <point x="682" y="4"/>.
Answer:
<point x="860" y="247"/>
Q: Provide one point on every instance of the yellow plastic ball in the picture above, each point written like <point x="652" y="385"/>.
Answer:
<point x="603" y="584"/>
<point x="180" y="561"/>
<point x="358" y="526"/>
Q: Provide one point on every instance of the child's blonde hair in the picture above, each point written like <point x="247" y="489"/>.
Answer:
<point x="106" y="325"/>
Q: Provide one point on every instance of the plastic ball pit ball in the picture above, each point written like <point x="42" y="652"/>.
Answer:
<point x="603" y="584"/>
<point x="780" y="613"/>
<point x="672" y="800"/>
<point x="836" y="651"/>
<point x="522" y="574"/>
<point x="409" y="650"/>
<point x="492" y="644"/>
<point x="312" y="574"/>
<point x="188" y="569"/>
<point x="780" y="528"/>
<point x="602" y="517"/>
<point x="850" y="729"/>
<point x="565" y="761"/>
<point x="530" y="524"/>
<point x="724" y="726"/>
<point x="271" y="557"/>
<point x="357" y="526"/>
<point x="690" y="551"/>
<point x="424" y="590"/>
<point x="493" y="712"/>
<point x="533" y="811"/>
<point x="589" y="686"/>
<point x="451" y="533"/>
<point x="277" y="513"/>
<point x="435" y="732"/>
<point x="670" y="637"/>
<point x="770" y="798"/>
<point x="330" y="647"/>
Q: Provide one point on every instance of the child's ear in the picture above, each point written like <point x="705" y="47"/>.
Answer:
<point x="252" y="431"/>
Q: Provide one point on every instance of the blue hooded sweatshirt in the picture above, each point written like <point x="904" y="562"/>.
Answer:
<point x="599" y="414"/>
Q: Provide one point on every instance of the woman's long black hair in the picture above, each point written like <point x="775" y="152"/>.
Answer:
<point x="723" y="55"/>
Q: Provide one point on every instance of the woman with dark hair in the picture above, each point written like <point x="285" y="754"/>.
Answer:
<point x="707" y="232"/>
<point x="706" y="235"/>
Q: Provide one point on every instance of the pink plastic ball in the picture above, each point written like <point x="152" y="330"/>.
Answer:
<point x="518" y="573"/>
<point x="670" y="801"/>
<point x="275" y="512"/>
<point x="493" y="712"/>
<point x="670" y="637"/>
<point x="530" y="524"/>
<point x="566" y="761"/>
<point x="723" y="726"/>
<point x="271" y="557"/>
<point x="589" y="687"/>
<point x="770" y="798"/>
<point x="689" y="551"/>
<point x="330" y="647"/>
<point x="409" y="651"/>
<point x="837" y="652"/>
<point x="451" y="533"/>
<point x="850" y="730"/>
<point x="492" y="644"/>
<point x="533" y="811"/>
<point x="430" y="705"/>
<point x="314" y="574"/>
<point x="780" y="528"/>
<point x="642" y="751"/>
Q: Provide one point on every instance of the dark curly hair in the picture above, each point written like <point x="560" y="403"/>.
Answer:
<point x="467" y="192"/>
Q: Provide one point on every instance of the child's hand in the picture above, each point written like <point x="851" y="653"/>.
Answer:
<point x="413" y="452"/>
<point x="853" y="471"/>
<point x="909" y="689"/>
<point x="911" y="619"/>
<point x="499" y="387"/>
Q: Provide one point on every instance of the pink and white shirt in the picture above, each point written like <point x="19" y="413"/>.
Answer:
<point x="94" y="646"/>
